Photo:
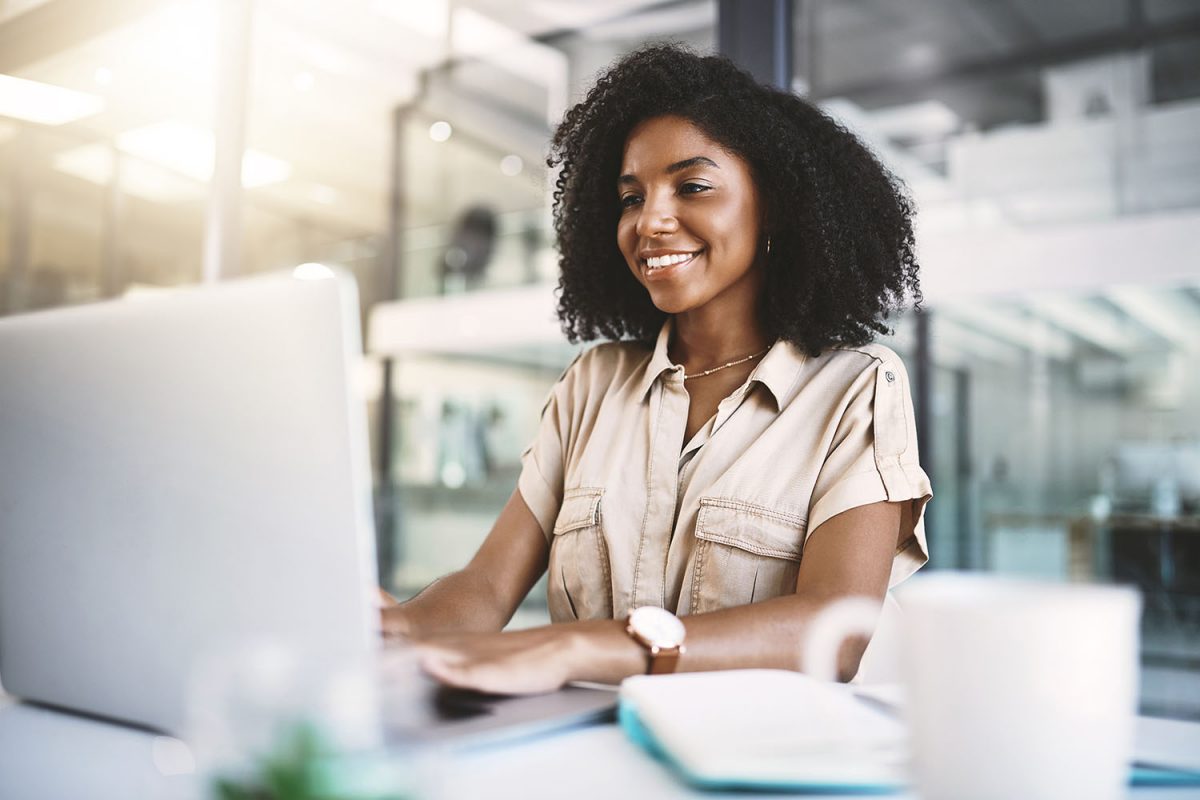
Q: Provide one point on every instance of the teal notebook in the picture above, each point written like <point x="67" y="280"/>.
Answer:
<point x="628" y="719"/>
<point x="723" y="744"/>
<point x="1144" y="775"/>
<point x="765" y="730"/>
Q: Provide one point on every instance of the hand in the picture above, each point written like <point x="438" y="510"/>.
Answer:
<point x="519" y="662"/>
<point x="393" y="620"/>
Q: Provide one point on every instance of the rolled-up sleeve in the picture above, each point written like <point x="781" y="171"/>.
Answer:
<point x="874" y="459"/>
<point x="541" y="480"/>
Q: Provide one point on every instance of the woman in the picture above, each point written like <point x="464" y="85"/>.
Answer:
<point x="742" y="455"/>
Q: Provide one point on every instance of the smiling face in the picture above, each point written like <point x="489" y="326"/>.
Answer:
<point x="690" y="219"/>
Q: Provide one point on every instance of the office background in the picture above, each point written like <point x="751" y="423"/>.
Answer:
<point x="1053" y="150"/>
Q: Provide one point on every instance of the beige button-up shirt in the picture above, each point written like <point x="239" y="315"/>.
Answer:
<point x="637" y="516"/>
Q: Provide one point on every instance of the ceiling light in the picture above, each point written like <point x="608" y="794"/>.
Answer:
<point x="94" y="163"/>
<point x="102" y="76"/>
<point x="189" y="150"/>
<point x="511" y="165"/>
<point x="45" y="104"/>
<point x="1003" y="323"/>
<point x="303" y="81"/>
<point x="440" y="131"/>
<point x="1087" y="321"/>
<point x="475" y="35"/>
<point x="1165" y="311"/>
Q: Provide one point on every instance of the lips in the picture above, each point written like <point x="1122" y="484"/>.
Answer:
<point x="658" y="265"/>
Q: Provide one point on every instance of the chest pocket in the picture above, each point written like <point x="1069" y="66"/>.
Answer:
<point x="744" y="553"/>
<point x="579" y="583"/>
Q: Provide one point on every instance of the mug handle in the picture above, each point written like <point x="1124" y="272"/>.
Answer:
<point x="832" y="625"/>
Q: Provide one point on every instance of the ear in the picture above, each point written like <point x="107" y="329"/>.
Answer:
<point x="764" y="218"/>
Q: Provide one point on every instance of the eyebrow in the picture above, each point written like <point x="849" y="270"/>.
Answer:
<point x="673" y="168"/>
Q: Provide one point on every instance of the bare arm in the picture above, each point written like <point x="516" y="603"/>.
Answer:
<point x="850" y="554"/>
<point x="482" y="596"/>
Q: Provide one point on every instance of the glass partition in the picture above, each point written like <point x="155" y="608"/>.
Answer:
<point x="1082" y="420"/>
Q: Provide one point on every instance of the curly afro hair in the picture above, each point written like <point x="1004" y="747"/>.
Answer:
<point x="840" y="225"/>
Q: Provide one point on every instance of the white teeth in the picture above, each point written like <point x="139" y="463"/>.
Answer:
<point x="656" y="262"/>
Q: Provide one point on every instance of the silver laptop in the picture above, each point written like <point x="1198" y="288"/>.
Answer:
<point x="184" y="475"/>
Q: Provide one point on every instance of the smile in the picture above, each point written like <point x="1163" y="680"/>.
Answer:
<point x="655" y="263"/>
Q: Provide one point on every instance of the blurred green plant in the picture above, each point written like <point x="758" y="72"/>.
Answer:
<point x="303" y="767"/>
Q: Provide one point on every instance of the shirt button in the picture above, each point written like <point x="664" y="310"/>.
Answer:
<point x="891" y="376"/>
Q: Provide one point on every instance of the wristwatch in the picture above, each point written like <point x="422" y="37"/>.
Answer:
<point x="661" y="633"/>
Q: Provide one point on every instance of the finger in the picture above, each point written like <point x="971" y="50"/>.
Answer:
<point x="492" y="677"/>
<point x="453" y="675"/>
<point x="444" y="652"/>
<point x="394" y="623"/>
<point x="392" y="638"/>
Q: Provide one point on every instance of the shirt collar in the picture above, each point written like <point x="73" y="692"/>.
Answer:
<point x="777" y="371"/>
<point x="659" y="361"/>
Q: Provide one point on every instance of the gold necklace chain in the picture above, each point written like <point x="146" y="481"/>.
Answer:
<point x="687" y="377"/>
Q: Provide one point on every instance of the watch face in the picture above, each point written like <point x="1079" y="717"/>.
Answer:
<point x="657" y="625"/>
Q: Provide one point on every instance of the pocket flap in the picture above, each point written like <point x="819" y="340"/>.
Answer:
<point x="580" y="509"/>
<point x="752" y="528"/>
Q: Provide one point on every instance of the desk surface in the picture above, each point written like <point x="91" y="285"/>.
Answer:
<point x="47" y="755"/>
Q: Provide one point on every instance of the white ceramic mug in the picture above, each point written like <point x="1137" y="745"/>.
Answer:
<point x="1015" y="689"/>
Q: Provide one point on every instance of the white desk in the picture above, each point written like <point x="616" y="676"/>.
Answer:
<point x="45" y="755"/>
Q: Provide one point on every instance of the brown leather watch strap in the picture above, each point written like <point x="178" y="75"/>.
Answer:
<point x="663" y="660"/>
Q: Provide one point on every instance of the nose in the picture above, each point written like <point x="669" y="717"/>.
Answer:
<point x="657" y="215"/>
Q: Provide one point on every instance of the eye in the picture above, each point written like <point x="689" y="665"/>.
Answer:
<point x="693" y="188"/>
<point x="630" y="200"/>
